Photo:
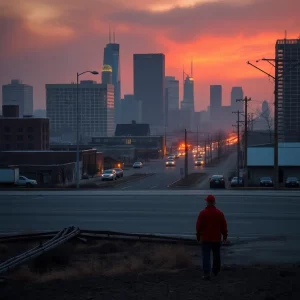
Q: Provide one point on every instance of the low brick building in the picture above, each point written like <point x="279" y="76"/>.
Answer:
<point x="26" y="133"/>
<point x="53" y="167"/>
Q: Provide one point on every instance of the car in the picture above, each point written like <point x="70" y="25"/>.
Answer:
<point x="110" y="174"/>
<point x="172" y="156"/>
<point x="266" y="181"/>
<point x="24" y="181"/>
<point x="292" y="182"/>
<point x="137" y="165"/>
<point x="234" y="182"/>
<point x="170" y="163"/>
<point x="217" y="181"/>
<point x="119" y="172"/>
<point x="198" y="162"/>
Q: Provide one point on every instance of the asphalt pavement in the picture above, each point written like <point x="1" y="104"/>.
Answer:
<point x="162" y="176"/>
<point x="265" y="225"/>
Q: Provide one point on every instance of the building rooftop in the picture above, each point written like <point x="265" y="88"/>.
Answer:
<point x="132" y="129"/>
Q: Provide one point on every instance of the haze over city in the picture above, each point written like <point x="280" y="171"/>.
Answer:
<point x="45" y="41"/>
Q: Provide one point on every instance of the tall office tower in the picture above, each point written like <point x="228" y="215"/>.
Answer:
<point x="17" y="93"/>
<point x="172" y="85"/>
<point x="215" y="101"/>
<point x="236" y="94"/>
<point x="288" y="89"/>
<point x="265" y="109"/>
<point x="131" y="110"/>
<point x="107" y="74"/>
<point x="112" y="58"/>
<point x="188" y="91"/>
<point x="96" y="110"/>
<point x="172" y="102"/>
<point x="149" y="87"/>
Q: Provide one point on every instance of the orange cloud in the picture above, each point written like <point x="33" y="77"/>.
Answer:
<point x="221" y="36"/>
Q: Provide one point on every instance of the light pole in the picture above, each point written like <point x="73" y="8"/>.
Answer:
<point x="77" y="126"/>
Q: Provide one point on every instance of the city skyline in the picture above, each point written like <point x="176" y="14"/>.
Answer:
<point x="53" y="43"/>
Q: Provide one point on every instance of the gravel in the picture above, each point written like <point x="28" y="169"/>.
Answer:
<point x="266" y="282"/>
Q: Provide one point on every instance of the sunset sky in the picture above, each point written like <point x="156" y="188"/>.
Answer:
<point x="48" y="41"/>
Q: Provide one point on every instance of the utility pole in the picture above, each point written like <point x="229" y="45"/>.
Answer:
<point x="186" y="154"/>
<point x="238" y="145"/>
<point x="245" y="100"/>
<point x="197" y="140"/>
<point x="205" y="152"/>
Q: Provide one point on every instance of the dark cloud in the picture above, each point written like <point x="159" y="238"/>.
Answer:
<point x="218" y="18"/>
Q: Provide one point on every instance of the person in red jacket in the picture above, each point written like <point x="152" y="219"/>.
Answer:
<point x="211" y="226"/>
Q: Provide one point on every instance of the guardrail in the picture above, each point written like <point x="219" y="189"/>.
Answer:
<point x="58" y="239"/>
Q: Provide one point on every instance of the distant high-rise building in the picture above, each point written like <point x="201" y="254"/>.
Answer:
<point x="265" y="109"/>
<point x="112" y="58"/>
<point x="236" y="94"/>
<point x="188" y="94"/>
<point x="172" y="85"/>
<point x="96" y="110"/>
<point x="17" y="93"/>
<point x="107" y="74"/>
<point x="131" y="109"/>
<point x="215" y="100"/>
<point x="149" y="87"/>
<point x="288" y="92"/>
<point x="172" y="102"/>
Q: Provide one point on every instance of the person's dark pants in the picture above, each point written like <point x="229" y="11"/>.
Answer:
<point x="207" y="248"/>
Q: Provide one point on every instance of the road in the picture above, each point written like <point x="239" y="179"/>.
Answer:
<point x="268" y="222"/>
<point x="162" y="176"/>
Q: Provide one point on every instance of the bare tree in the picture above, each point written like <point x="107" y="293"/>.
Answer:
<point x="267" y="120"/>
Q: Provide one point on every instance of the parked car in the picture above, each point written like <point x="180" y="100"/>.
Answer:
<point x="170" y="163"/>
<point x="292" y="182"/>
<point x="24" y="181"/>
<point x="110" y="174"/>
<point x="137" y="165"/>
<point x="266" y="181"/>
<point x="217" y="181"/>
<point x="234" y="182"/>
<point x="119" y="172"/>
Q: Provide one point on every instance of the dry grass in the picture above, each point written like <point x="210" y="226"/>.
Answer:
<point x="3" y="249"/>
<point x="124" y="258"/>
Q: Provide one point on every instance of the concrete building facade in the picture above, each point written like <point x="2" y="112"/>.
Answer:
<point x="149" y="87"/>
<point x="288" y="89"/>
<point x="96" y="110"/>
<point x="17" y="93"/>
<point x="24" y="134"/>
<point x="215" y="100"/>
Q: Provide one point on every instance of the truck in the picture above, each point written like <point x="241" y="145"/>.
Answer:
<point x="9" y="176"/>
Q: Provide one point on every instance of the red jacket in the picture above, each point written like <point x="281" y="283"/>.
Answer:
<point x="211" y="225"/>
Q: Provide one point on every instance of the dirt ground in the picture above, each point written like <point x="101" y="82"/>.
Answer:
<point x="122" y="270"/>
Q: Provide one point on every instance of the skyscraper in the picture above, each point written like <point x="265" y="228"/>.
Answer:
<point x="237" y="93"/>
<point x="265" y="109"/>
<point x="107" y="74"/>
<point x="112" y="58"/>
<point x="215" y="100"/>
<point x="149" y="87"/>
<point x="288" y="89"/>
<point x="188" y="92"/>
<point x="172" y="85"/>
<point x="96" y="110"/>
<point x="17" y="93"/>
<point x="131" y="109"/>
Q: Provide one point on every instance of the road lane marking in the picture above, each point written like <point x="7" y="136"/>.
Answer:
<point x="126" y="187"/>
<point x="153" y="187"/>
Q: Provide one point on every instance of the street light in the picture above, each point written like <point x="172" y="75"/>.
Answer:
<point x="77" y="126"/>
